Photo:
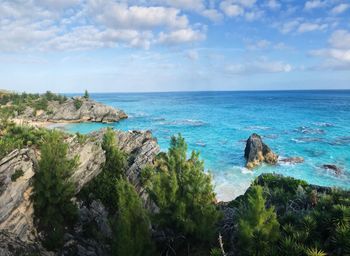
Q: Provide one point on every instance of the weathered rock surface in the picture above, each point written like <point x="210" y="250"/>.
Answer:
<point x="11" y="245"/>
<point x="16" y="208"/>
<point x="256" y="152"/>
<point x="89" y="111"/>
<point x="332" y="167"/>
<point x="292" y="160"/>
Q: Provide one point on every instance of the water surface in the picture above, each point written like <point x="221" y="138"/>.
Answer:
<point x="310" y="124"/>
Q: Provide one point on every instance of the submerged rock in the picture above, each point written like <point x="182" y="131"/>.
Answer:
<point x="332" y="167"/>
<point x="256" y="152"/>
<point x="292" y="160"/>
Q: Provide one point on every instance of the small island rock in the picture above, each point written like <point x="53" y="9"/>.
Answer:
<point x="256" y="152"/>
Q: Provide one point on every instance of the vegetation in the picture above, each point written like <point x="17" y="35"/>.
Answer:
<point x="103" y="186"/>
<point x="86" y="94"/>
<point x="183" y="193"/>
<point x="312" y="220"/>
<point x="78" y="103"/>
<point x="258" y="228"/>
<point x="16" y="175"/>
<point x="131" y="225"/>
<point x="52" y="191"/>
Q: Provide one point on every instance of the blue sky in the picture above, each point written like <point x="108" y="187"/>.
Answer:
<point x="174" y="45"/>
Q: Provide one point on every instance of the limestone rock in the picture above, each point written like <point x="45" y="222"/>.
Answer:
<point x="256" y="152"/>
<point x="16" y="209"/>
<point x="89" y="111"/>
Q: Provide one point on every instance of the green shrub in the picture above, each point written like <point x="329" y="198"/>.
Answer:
<point x="52" y="191"/>
<point x="77" y="104"/>
<point x="131" y="226"/>
<point x="86" y="95"/>
<point x="183" y="193"/>
<point x="258" y="228"/>
<point x="16" y="175"/>
<point x="103" y="186"/>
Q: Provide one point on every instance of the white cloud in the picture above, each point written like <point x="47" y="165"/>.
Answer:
<point x="256" y="67"/>
<point x="309" y="27"/>
<point x="340" y="39"/>
<point x="181" y="36"/>
<point x="340" y="8"/>
<point x="314" y="4"/>
<point x="212" y="14"/>
<point x="337" y="56"/>
<point x="289" y="26"/>
<point x="253" y="15"/>
<point x="116" y="15"/>
<point x="231" y="10"/>
<point x="182" y="4"/>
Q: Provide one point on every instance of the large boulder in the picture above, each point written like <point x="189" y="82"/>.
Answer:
<point x="257" y="152"/>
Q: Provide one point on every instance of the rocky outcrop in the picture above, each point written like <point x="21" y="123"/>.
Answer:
<point x="16" y="208"/>
<point x="76" y="109"/>
<point x="257" y="152"/>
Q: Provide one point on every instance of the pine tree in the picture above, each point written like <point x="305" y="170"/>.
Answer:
<point x="183" y="192"/>
<point x="258" y="228"/>
<point x="131" y="226"/>
<point x="86" y="94"/>
<point x="52" y="191"/>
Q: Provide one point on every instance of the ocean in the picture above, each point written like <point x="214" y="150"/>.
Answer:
<point x="314" y="125"/>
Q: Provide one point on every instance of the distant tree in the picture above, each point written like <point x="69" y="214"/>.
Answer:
<point x="52" y="191"/>
<point x="131" y="226"/>
<point x="183" y="192"/>
<point x="86" y="95"/>
<point x="258" y="228"/>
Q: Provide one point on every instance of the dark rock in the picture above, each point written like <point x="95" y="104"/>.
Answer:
<point x="332" y="167"/>
<point x="256" y="152"/>
<point x="292" y="160"/>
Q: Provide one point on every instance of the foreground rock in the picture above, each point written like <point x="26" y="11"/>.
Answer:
<point x="16" y="208"/>
<point x="332" y="167"/>
<point x="76" y="109"/>
<point x="257" y="152"/>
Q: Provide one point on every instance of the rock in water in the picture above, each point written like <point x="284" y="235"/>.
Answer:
<point x="256" y="152"/>
<point x="337" y="170"/>
<point x="292" y="160"/>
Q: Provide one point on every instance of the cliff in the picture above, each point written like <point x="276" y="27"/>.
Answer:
<point x="17" y="171"/>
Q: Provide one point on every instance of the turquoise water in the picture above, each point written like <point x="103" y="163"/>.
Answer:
<point x="314" y="125"/>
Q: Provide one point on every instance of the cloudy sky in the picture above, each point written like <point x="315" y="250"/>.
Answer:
<point x="174" y="45"/>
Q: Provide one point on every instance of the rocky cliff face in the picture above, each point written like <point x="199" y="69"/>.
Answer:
<point x="16" y="208"/>
<point x="256" y="152"/>
<point x="87" y="110"/>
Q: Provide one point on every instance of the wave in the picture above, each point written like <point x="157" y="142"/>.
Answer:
<point x="323" y="124"/>
<point x="308" y="130"/>
<point x="307" y="140"/>
<point x="257" y="127"/>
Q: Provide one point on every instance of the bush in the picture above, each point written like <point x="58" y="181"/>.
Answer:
<point x="16" y="175"/>
<point x="52" y="191"/>
<point x="103" y="186"/>
<point x="258" y="227"/>
<point x="131" y="226"/>
<point x="183" y="193"/>
<point x="77" y="104"/>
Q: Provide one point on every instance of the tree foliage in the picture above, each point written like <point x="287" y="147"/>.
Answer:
<point x="52" y="191"/>
<point x="131" y="225"/>
<point x="258" y="227"/>
<point x="183" y="192"/>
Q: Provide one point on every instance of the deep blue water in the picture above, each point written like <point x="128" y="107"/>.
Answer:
<point x="314" y="125"/>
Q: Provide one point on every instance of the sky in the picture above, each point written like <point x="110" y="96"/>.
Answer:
<point x="174" y="45"/>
